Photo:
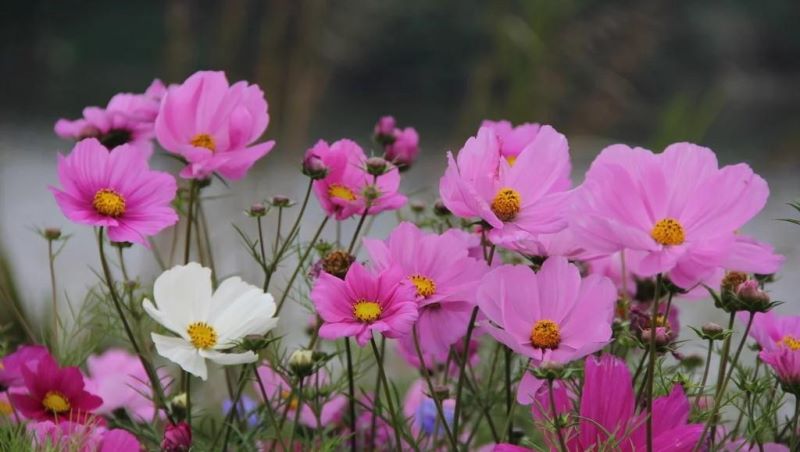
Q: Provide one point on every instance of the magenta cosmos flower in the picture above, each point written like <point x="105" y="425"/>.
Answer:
<point x="54" y="394"/>
<point x="444" y="276"/>
<point x="675" y="212"/>
<point x="401" y="146"/>
<point x="213" y="125"/>
<point x="772" y="331"/>
<point x="344" y="190"/>
<point x="608" y="416"/>
<point x="364" y="302"/>
<point x="512" y="139"/>
<point x="518" y="201"/>
<point x="127" y="119"/>
<point x="116" y="190"/>
<point x="12" y="364"/>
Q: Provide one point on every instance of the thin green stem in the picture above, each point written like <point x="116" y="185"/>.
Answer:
<point x="651" y="364"/>
<point x="289" y="238"/>
<point x="297" y="413"/>
<point x="436" y="401"/>
<point x="278" y="229"/>
<point x="234" y="404"/>
<point x="705" y="372"/>
<point x="300" y="265"/>
<point x="388" y="394"/>
<point x="351" y="392"/>
<point x="54" y="299"/>
<point x="556" y="419"/>
<point x="462" y="364"/>
<point x="193" y="188"/>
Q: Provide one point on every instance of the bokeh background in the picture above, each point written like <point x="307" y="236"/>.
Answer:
<point x="721" y="73"/>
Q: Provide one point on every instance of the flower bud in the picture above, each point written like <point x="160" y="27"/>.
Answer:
<point x="662" y="335"/>
<point x="751" y="297"/>
<point x="549" y="370"/>
<point x="301" y="362"/>
<point x="377" y="166"/>
<point x="712" y="329"/>
<point x="314" y="167"/>
<point x="177" y="438"/>
<point x="385" y="125"/>
<point x="122" y="245"/>
<point x="417" y="206"/>
<point x="280" y="201"/>
<point x="732" y="280"/>
<point x="52" y="233"/>
<point x="439" y="209"/>
<point x="337" y="262"/>
<point x="257" y="210"/>
<point x="371" y="193"/>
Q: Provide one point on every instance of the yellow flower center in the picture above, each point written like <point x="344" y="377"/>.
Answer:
<point x="506" y="204"/>
<point x="425" y="286"/>
<point x="108" y="203"/>
<point x="202" y="335"/>
<point x="367" y="311"/>
<point x="545" y="334"/>
<point x="5" y="408"/>
<point x="204" y="140"/>
<point x="290" y="399"/>
<point x="341" y="192"/>
<point x="511" y="159"/>
<point x="791" y="342"/>
<point x="668" y="232"/>
<point x="56" y="402"/>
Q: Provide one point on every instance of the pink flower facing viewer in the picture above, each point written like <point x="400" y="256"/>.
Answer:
<point x="55" y="394"/>
<point x="331" y="409"/>
<point x="519" y="201"/>
<point x="213" y="125"/>
<point x="116" y="190"/>
<point x="512" y="139"/>
<point x="12" y="364"/>
<point x="674" y="213"/>
<point x="608" y="413"/>
<point x="127" y="119"/>
<point x="83" y="437"/>
<point x="444" y="277"/>
<point x="364" y="302"/>
<point x="552" y="315"/>
<point x="343" y="191"/>
<point x="401" y="146"/>
<point x="120" y="380"/>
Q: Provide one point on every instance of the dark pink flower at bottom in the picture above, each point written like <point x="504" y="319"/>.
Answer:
<point x="177" y="438"/>
<point x="11" y="365"/>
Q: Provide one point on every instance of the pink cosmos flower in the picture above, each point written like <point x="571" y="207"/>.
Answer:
<point x="12" y="364"/>
<point x="444" y="276"/>
<point x="771" y="330"/>
<point x="127" y="119"/>
<point x="519" y="201"/>
<point x="404" y="148"/>
<point x="674" y="213"/>
<point x="364" y="302"/>
<point x="512" y="139"/>
<point x="784" y="359"/>
<point x="54" y="393"/>
<point x="608" y="417"/>
<point x="213" y="125"/>
<point x="83" y="437"/>
<point x="120" y="380"/>
<point x="116" y="190"/>
<point x="342" y="192"/>
<point x="328" y="412"/>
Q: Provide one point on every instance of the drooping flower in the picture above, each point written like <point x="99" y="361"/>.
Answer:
<point x="127" y="119"/>
<point x="324" y="411"/>
<point x="444" y="278"/>
<point x="92" y="437"/>
<point x="347" y="187"/>
<point x="519" y="201"/>
<point x="121" y="381"/>
<point x="674" y="213"/>
<point x="54" y="393"/>
<point x="512" y="139"/>
<point x="116" y="190"/>
<point x="608" y="415"/>
<point x="12" y="364"/>
<point x="207" y="322"/>
<point x="364" y="302"/>
<point x="213" y="125"/>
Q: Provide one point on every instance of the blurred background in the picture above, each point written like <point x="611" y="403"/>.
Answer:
<point x="722" y="73"/>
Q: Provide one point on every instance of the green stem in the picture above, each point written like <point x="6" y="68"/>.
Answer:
<point x="462" y="364"/>
<point x="705" y="373"/>
<point x="556" y="420"/>
<point x="229" y="416"/>
<point x="388" y="394"/>
<point x="189" y="214"/>
<point x="651" y="364"/>
<point x="289" y="238"/>
<point x="434" y="396"/>
<point x="54" y="299"/>
<point x="297" y="412"/>
<point x="300" y="265"/>
<point x="351" y="392"/>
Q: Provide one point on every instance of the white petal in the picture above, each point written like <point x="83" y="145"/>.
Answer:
<point x="159" y="317"/>
<point x="227" y="292"/>
<point x="181" y="353"/>
<point x="228" y="359"/>
<point x="183" y="294"/>
<point x="251" y="313"/>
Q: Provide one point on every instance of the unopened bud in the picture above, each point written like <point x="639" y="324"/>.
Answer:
<point x="280" y="201"/>
<point x="417" y="206"/>
<point x="712" y="329"/>
<point x="337" y="263"/>
<point x="439" y="209"/>
<point x="301" y="362"/>
<point x="549" y="370"/>
<point x="377" y="166"/>
<point x="751" y="297"/>
<point x="385" y="125"/>
<point x="314" y="167"/>
<point x="257" y="210"/>
<point x="371" y="193"/>
<point x="52" y="233"/>
<point x="122" y="245"/>
<point x="662" y="335"/>
<point x="177" y="437"/>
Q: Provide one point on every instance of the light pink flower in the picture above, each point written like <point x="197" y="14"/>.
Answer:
<point x="444" y="276"/>
<point x="116" y="190"/>
<point x="213" y="125"/>
<point x="364" y="302"/>
<point x="342" y="192"/>
<point x="512" y="139"/>
<point x="675" y="212"/>
<point x="771" y="330"/>
<point x="92" y="437"/>
<point x="519" y="201"/>
<point x="405" y="147"/>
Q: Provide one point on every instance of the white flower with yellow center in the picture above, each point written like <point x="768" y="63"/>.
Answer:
<point x="207" y="322"/>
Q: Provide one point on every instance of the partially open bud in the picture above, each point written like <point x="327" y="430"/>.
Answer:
<point x="314" y="167"/>
<point x="384" y="130"/>
<point x="732" y="280"/>
<point x="177" y="437"/>
<point x="377" y="166"/>
<point x="439" y="209"/>
<point x="301" y="362"/>
<point x="52" y="233"/>
<point x="257" y="210"/>
<point x="662" y="335"/>
<point x="751" y="297"/>
<point x="337" y="263"/>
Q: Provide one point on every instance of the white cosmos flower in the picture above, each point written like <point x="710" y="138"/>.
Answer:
<point x="207" y="322"/>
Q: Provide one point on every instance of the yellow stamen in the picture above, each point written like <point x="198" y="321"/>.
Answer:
<point x="425" y="286"/>
<point x="506" y="204"/>
<point x="204" y="140"/>
<point x="56" y="402"/>
<point x="668" y="232"/>
<point x="341" y="192"/>
<point x="290" y="398"/>
<point x="791" y="342"/>
<point x="108" y="203"/>
<point x="545" y="334"/>
<point x="202" y="335"/>
<point x="5" y="408"/>
<point x="511" y="159"/>
<point x="367" y="311"/>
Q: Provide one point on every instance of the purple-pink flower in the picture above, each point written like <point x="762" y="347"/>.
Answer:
<point x="347" y="188"/>
<point x="444" y="277"/>
<point x="213" y="125"/>
<point x="512" y="139"/>
<point x="401" y="146"/>
<point x="177" y="437"/>
<point x="518" y="201"/>
<point x="116" y="190"/>
<point x="12" y="364"/>
<point x="363" y="303"/>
